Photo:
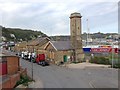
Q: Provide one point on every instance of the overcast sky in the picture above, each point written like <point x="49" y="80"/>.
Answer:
<point x="52" y="16"/>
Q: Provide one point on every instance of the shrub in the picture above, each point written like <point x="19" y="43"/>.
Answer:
<point x="24" y="79"/>
<point x="100" y="60"/>
<point x="116" y="66"/>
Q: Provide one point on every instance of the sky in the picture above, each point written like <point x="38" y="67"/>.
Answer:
<point x="52" y="16"/>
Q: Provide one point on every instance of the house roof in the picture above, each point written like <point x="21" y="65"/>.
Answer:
<point x="37" y="41"/>
<point x="22" y="44"/>
<point x="6" y="53"/>
<point x="62" y="45"/>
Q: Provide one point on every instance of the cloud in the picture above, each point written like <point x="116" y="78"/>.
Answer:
<point x="106" y="28"/>
<point x="55" y="1"/>
<point x="12" y="7"/>
<point x="100" y="15"/>
<point x="52" y="17"/>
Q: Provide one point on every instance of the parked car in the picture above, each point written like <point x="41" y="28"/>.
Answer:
<point x="41" y="60"/>
<point x="43" y="63"/>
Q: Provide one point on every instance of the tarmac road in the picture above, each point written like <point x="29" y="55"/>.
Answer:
<point x="61" y="77"/>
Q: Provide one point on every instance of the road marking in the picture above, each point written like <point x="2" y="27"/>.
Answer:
<point x="91" y="84"/>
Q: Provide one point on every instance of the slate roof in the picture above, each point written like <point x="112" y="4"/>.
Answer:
<point x="62" y="45"/>
<point x="37" y="41"/>
<point x="22" y="44"/>
<point x="6" y="53"/>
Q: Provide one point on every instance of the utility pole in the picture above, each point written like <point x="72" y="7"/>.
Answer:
<point x="87" y="33"/>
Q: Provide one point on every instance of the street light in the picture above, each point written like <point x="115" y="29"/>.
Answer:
<point x="112" y="54"/>
<point x="32" y="62"/>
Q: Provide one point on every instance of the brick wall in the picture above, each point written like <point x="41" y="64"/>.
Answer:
<point x="6" y="83"/>
<point x="12" y="65"/>
<point x="14" y="78"/>
<point x="10" y="81"/>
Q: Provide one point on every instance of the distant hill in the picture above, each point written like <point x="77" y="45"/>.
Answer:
<point x="84" y="36"/>
<point x="17" y="34"/>
<point x="60" y="38"/>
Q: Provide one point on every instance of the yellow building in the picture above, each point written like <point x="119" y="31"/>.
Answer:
<point x="20" y="46"/>
<point x="61" y="51"/>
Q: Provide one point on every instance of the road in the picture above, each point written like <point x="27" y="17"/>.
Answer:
<point x="61" y="77"/>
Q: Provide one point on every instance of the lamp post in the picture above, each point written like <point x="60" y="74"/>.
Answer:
<point x="32" y="62"/>
<point x="87" y="33"/>
<point x="112" y="54"/>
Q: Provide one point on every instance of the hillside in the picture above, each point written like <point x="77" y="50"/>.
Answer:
<point x="84" y="36"/>
<point x="17" y="34"/>
<point x="26" y="35"/>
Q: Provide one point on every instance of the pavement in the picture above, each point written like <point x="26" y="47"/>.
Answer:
<point x="86" y="65"/>
<point x="61" y="77"/>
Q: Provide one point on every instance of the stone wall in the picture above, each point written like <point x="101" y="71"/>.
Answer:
<point x="60" y="54"/>
<point x="9" y="81"/>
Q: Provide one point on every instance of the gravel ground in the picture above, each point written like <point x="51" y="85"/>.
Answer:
<point x="87" y="65"/>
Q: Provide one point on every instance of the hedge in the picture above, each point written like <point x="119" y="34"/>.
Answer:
<point x="100" y="60"/>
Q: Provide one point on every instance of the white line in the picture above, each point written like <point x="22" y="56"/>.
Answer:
<point x="91" y="84"/>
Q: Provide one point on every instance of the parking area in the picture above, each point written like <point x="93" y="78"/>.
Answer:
<point x="87" y="65"/>
<point x="61" y="77"/>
